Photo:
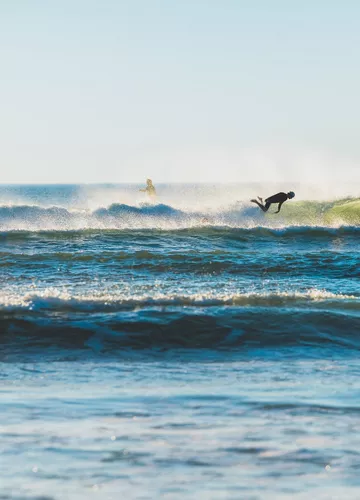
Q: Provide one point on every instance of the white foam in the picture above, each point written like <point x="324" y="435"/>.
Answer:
<point x="53" y="298"/>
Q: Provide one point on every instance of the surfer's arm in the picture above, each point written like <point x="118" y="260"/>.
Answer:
<point x="142" y="190"/>
<point x="279" y="207"/>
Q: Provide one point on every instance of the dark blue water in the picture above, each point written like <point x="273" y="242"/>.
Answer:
<point x="177" y="349"/>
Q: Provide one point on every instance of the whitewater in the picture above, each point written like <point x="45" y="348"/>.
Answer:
<point x="329" y="214"/>
<point x="192" y="346"/>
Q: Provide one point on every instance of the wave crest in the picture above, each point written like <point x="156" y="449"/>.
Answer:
<point x="102" y="302"/>
<point x="100" y="322"/>
<point x="166" y="217"/>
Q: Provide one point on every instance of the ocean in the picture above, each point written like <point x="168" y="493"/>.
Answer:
<point x="192" y="347"/>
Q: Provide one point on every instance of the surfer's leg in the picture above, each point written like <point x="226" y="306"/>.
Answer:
<point x="263" y="208"/>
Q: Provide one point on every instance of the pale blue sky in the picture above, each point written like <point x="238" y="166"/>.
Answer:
<point x="190" y="90"/>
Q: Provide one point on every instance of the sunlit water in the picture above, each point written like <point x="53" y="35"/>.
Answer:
<point x="160" y="351"/>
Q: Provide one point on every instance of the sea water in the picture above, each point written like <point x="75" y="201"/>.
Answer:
<point x="191" y="347"/>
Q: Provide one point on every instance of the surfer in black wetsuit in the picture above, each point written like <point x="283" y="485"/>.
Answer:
<point x="276" y="198"/>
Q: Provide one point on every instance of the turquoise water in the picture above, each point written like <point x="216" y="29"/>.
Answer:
<point x="181" y="349"/>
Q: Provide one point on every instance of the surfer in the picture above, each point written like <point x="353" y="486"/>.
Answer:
<point x="279" y="198"/>
<point x="150" y="189"/>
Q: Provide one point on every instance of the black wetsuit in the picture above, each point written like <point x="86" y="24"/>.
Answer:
<point x="276" y="198"/>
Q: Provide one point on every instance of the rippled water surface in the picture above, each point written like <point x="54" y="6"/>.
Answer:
<point x="177" y="351"/>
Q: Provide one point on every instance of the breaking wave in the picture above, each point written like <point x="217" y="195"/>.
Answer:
<point x="102" y="302"/>
<point x="211" y="321"/>
<point x="315" y="215"/>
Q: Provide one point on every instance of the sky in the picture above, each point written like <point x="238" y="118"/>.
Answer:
<point x="180" y="91"/>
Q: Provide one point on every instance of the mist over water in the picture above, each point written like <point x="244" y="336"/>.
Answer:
<point x="177" y="206"/>
<point x="179" y="195"/>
